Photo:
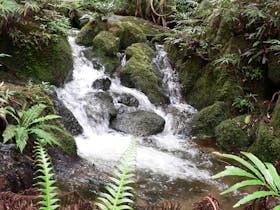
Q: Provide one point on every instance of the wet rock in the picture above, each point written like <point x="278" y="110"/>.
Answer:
<point x="16" y="170"/>
<point x="103" y="84"/>
<point x="139" y="123"/>
<point x="181" y="120"/>
<point x="69" y="121"/>
<point x="204" y="122"/>
<point x="100" y="106"/>
<point x="128" y="100"/>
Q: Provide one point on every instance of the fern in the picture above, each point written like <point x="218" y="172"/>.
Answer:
<point x="259" y="174"/>
<point x="46" y="183"/>
<point x="119" y="192"/>
<point x="30" y="123"/>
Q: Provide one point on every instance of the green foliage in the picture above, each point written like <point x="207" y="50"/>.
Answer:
<point x="259" y="174"/>
<point x="43" y="86"/>
<point x="30" y="123"/>
<point x="228" y="59"/>
<point x="246" y="103"/>
<point x="31" y="23"/>
<point x="119" y="192"/>
<point x="252" y="73"/>
<point x="45" y="177"/>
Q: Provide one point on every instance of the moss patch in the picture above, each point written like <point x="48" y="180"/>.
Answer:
<point x="52" y="63"/>
<point x="230" y="136"/>
<point x="89" y="31"/>
<point x="106" y="43"/>
<point x="205" y="121"/>
<point x="267" y="145"/>
<point x="138" y="72"/>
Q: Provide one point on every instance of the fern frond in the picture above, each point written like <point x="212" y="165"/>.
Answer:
<point x="48" y="137"/>
<point x="260" y="174"/>
<point x="43" y="119"/>
<point x="9" y="133"/>
<point x="46" y="183"/>
<point x="21" y="136"/>
<point x="118" y="195"/>
<point x="32" y="113"/>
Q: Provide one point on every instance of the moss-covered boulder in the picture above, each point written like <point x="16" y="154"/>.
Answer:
<point x="276" y="118"/>
<point x="205" y="121"/>
<point x="105" y="47"/>
<point x="267" y="144"/>
<point x="128" y="32"/>
<point x="89" y="31"/>
<point x="139" y="73"/>
<point x="230" y="136"/>
<point x="52" y="63"/>
<point x="106" y="43"/>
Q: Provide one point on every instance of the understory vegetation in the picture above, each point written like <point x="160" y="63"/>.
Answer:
<point x="227" y="56"/>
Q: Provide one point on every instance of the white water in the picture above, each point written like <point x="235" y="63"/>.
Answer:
<point x="168" y="154"/>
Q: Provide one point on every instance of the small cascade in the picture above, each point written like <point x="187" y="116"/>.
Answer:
<point x="161" y="159"/>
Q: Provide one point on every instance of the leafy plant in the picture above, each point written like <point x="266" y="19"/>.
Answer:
<point x="228" y="59"/>
<point x="252" y="73"/>
<point x="245" y="103"/>
<point x="30" y="123"/>
<point x="119" y="192"/>
<point x="259" y="174"/>
<point x="45" y="175"/>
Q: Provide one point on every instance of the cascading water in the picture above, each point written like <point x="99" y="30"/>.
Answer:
<point x="167" y="161"/>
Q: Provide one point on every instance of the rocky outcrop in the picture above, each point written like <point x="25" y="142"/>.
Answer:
<point x="139" y="73"/>
<point x="139" y="123"/>
<point x="69" y="121"/>
<point x="16" y="170"/>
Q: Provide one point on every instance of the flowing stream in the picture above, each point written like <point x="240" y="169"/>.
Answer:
<point x="169" y="164"/>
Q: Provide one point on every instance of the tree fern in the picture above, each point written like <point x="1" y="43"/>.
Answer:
<point x="119" y="192"/>
<point x="45" y="175"/>
<point x="259" y="174"/>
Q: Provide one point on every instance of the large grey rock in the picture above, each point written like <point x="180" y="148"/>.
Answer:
<point x="69" y="121"/>
<point x="100" y="106"/>
<point x="139" y="123"/>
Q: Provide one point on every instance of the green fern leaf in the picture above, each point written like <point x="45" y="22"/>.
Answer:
<point x="253" y="196"/>
<point x="32" y="114"/>
<point x="9" y="133"/>
<point x="48" y="194"/>
<point x="43" y="119"/>
<point x="41" y="134"/>
<point x="118" y="193"/>
<point x="21" y="137"/>
<point x="243" y="184"/>
<point x="233" y="171"/>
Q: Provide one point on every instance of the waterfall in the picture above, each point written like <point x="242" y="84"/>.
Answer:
<point x="169" y="155"/>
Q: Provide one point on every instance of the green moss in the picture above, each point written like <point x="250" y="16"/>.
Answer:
<point x="138" y="72"/>
<point x="267" y="145"/>
<point x="208" y="118"/>
<point x="276" y="118"/>
<point x="106" y="43"/>
<point x="273" y="69"/>
<point x="66" y="140"/>
<point x="128" y="32"/>
<point x="230" y="136"/>
<point x="52" y="63"/>
<point x="89" y="31"/>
